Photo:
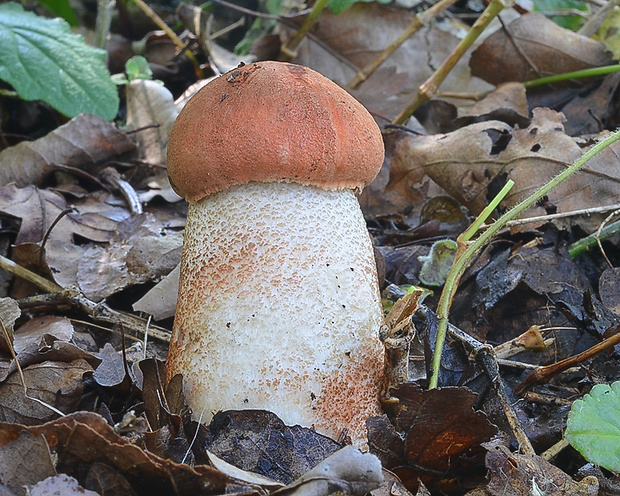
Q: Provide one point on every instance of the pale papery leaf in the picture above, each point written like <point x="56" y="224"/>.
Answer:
<point x="467" y="161"/>
<point x="151" y="111"/>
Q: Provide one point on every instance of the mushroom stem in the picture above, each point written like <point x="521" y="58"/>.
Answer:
<point x="279" y="307"/>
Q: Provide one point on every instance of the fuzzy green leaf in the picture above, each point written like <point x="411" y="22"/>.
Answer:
<point x="593" y="426"/>
<point x="43" y="60"/>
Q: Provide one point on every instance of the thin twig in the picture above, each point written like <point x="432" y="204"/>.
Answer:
<point x="99" y="312"/>
<point x="428" y="89"/>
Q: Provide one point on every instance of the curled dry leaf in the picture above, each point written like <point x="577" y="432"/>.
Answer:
<point x="533" y="46"/>
<point x="474" y="162"/>
<point x="150" y="111"/>
<point x="83" y="439"/>
<point x="35" y="330"/>
<point x="85" y="140"/>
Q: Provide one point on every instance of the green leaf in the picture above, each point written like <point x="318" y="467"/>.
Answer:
<point x="593" y="426"/>
<point x="43" y="60"/>
<point x="338" y="6"/>
<point x="61" y="8"/>
<point x="568" y="22"/>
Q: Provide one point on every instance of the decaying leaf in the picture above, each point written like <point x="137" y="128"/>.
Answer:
<point x="533" y="46"/>
<point x="258" y="441"/>
<point x="83" y="439"/>
<point x="50" y="386"/>
<point x="514" y="474"/>
<point x="474" y="162"/>
<point x="432" y="432"/>
<point x="25" y="460"/>
<point x="83" y="141"/>
<point x="151" y="112"/>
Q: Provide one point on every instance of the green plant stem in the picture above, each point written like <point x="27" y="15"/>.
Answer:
<point x="584" y="244"/>
<point x="290" y="49"/>
<point x="418" y="22"/>
<point x="467" y="250"/>
<point x="556" y="78"/>
<point x="428" y="89"/>
<point x="486" y="213"/>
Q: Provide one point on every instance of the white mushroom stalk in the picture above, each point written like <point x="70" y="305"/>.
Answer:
<point x="279" y="304"/>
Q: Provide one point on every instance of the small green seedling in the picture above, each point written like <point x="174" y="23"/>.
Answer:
<point x="593" y="426"/>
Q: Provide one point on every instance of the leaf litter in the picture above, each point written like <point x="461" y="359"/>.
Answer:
<point x="83" y="405"/>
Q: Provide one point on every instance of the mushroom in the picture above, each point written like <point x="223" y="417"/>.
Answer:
<point x="278" y="305"/>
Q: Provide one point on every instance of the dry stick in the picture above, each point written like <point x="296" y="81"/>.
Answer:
<point x="172" y="35"/>
<point x="485" y="356"/>
<point x="289" y="51"/>
<point x="97" y="311"/>
<point x="487" y="360"/>
<point x="428" y="89"/>
<point x="545" y="374"/>
<point x="418" y="23"/>
<point x="467" y="250"/>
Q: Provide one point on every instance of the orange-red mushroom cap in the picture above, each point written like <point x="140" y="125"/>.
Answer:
<point x="272" y="121"/>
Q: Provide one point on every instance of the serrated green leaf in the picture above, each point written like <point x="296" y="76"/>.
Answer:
<point x="43" y="60"/>
<point x="593" y="426"/>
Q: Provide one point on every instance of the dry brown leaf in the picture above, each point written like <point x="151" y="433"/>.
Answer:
<point x="143" y="251"/>
<point x="513" y="474"/>
<point x="25" y="460"/>
<point x="469" y="161"/>
<point x="57" y="384"/>
<point x="533" y="47"/>
<point x="82" y="439"/>
<point x="84" y="140"/>
<point x="161" y="300"/>
<point x="36" y="328"/>
<point x="363" y="31"/>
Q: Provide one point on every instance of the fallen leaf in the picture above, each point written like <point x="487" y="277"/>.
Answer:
<point x="514" y="474"/>
<point x="432" y="432"/>
<point x="151" y="111"/>
<point x="473" y="162"/>
<point x="82" y="439"/>
<point x="25" y="460"/>
<point x="258" y="441"/>
<point x="533" y="46"/>
<point x="50" y="386"/>
<point x="83" y="141"/>
<point x="59" y="484"/>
